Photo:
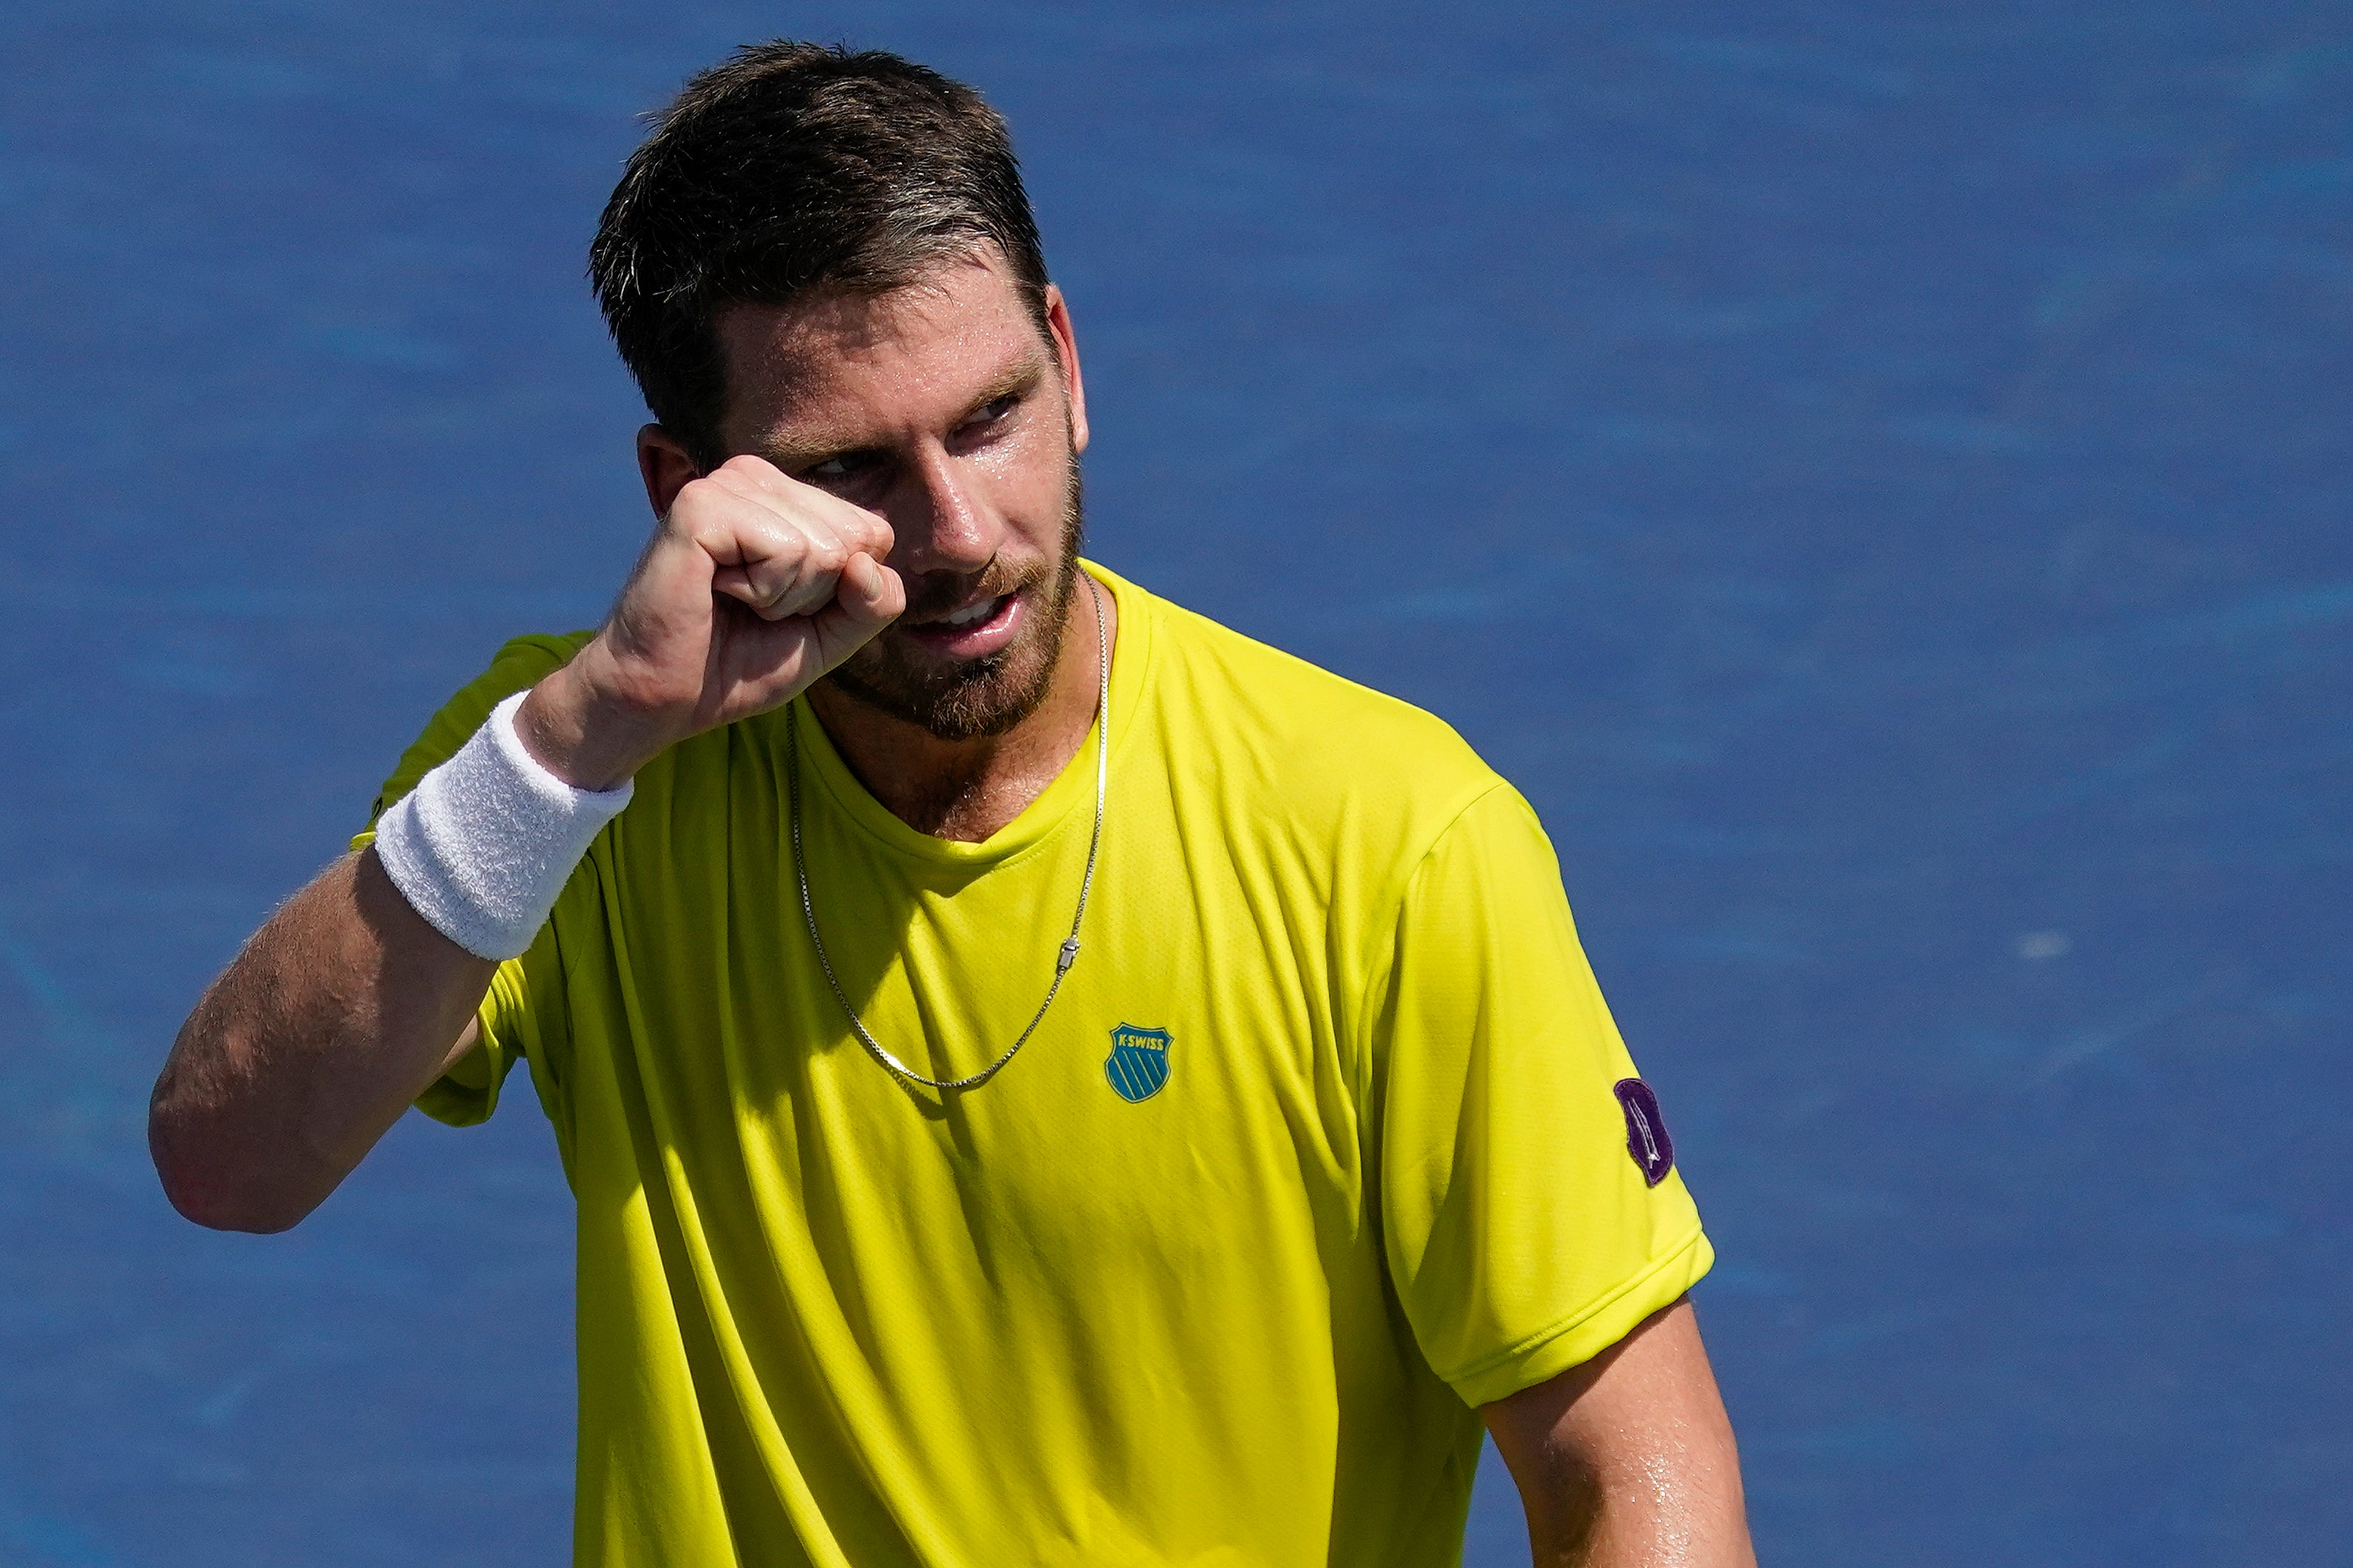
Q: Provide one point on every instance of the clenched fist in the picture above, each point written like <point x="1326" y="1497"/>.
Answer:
<point x="753" y="585"/>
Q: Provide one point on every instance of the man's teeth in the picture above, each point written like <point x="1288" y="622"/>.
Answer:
<point x="973" y="615"/>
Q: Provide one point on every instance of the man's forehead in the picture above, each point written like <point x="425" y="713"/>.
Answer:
<point x="962" y="321"/>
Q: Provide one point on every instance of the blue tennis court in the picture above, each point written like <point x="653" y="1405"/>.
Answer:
<point x="1876" y="477"/>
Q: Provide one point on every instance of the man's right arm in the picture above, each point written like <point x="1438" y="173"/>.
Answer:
<point x="339" y="1012"/>
<point x="348" y="1004"/>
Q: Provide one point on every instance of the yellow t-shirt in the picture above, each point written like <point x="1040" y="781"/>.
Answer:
<point x="1317" y="1150"/>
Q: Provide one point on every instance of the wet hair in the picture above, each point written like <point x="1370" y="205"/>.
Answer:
<point x="792" y="170"/>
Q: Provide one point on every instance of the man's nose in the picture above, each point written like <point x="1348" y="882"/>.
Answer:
<point x="941" y="521"/>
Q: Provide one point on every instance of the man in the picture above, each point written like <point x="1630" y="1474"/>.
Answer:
<point x="1046" y="1080"/>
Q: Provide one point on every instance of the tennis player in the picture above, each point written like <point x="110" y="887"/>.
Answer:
<point x="1046" y="1080"/>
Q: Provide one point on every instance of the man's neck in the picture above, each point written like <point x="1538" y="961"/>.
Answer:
<point x="967" y="790"/>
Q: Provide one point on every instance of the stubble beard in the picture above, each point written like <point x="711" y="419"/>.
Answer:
<point x="985" y="696"/>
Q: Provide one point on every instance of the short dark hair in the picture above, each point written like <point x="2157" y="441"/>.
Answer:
<point x="786" y="170"/>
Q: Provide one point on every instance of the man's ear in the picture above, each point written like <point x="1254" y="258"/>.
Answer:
<point x="663" y="464"/>
<point x="1066" y="350"/>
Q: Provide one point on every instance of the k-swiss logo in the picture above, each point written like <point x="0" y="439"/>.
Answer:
<point x="1138" y="1064"/>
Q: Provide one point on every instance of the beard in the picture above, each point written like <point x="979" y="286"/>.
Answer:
<point x="986" y="696"/>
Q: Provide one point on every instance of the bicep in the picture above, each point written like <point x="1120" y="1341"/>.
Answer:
<point x="1629" y="1456"/>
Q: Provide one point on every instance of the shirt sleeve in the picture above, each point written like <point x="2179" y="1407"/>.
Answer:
<point x="526" y="998"/>
<point x="1527" y="1222"/>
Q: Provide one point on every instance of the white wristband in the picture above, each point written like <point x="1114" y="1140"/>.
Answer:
<point x="487" y="841"/>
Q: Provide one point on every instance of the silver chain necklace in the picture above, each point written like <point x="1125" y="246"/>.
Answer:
<point x="1070" y="948"/>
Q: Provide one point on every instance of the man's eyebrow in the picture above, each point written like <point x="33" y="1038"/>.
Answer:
<point x="1015" y="379"/>
<point x="791" y="455"/>
<point x="1020" y="376"/>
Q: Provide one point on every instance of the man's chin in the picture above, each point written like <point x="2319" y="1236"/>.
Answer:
<point x="917" y="678"/>
<point x="971" y="699"/>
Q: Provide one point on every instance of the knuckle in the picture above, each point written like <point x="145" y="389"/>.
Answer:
<point x="698" y="498"/>
<point x="728" y="480"/>
<point x="704" y="527"/>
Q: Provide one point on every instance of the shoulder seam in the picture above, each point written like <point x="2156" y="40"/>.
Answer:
<point x="1383" y="931"/>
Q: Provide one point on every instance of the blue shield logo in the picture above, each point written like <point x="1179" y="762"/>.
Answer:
<point x="1138" y="1064"/>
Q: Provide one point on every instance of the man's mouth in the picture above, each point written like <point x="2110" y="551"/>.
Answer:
<point x="973" y="631"/>
<point x="973" y="614"/>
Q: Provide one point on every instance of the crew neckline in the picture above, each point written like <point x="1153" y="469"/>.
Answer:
<point x="1130" y="657"/>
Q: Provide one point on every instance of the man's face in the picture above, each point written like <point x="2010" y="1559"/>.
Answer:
<point x="943" y="409"/>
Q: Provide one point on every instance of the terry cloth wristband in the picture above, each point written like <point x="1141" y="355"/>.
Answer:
<point x="484" y="843"/>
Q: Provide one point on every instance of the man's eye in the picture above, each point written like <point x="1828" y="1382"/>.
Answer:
<point x="990" y="413"/>
<point x="842" y="466"/>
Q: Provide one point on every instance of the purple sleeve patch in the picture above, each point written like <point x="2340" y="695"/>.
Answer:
<point x="1646" y="1131"/>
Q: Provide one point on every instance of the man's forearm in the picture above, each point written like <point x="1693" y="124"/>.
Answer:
<point x="1629" y="1462"/>
<point x="337" y="1013"/>
<point x="349" y="1002"/>
<point x="1635" y="1516"/>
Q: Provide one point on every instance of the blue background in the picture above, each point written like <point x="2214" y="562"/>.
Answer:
<point x="1875" y="475"/>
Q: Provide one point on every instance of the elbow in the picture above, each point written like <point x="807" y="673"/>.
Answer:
<point x="217" y="1210"/>
<point x="202" y="1198"/>
<point x="206" y="1188"/>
